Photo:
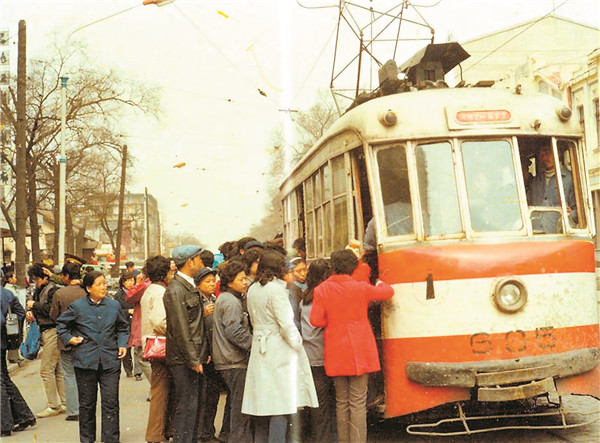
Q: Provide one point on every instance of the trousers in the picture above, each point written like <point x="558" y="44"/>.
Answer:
<point x="88" y="381"/>
<point x="351" y="408"/>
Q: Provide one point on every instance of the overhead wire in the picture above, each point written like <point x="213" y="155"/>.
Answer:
<point x="535" y="22"/>
<point x="224" y="55"/>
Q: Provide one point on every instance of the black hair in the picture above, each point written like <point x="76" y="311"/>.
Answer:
<point x="87" y="269"/>
<point x="251" y="256"/>
<point x="8" y="275"/>
<point x="129" y="264"/>
<point x="229" y="249"/>
<point x="318" y="271"/>
<point x="208" y="258"/>
<point x="270" y="266"/>
<point x="230" y="271"/>
<point x="71" y="270"/>
<point x="343" y="262"/>
<point x="157" y="268"/>
<point x="37" y="270"/>
<point x="90" y="278"/>
<point x="124" y="277"/>
<point x="242" y="242"/>
<point x="275" y="247"/>
<point x="299" y="244"/>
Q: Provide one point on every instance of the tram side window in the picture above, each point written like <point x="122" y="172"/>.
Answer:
<point x="437" y="189"/>
<point x="327" y="208"/>
<point x="395" y="190"/>
<point x="491" y="186"/>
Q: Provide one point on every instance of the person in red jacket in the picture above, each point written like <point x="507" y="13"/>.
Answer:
<point x="340" y="307"/>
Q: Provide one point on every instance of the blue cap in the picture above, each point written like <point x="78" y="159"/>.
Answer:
<point x="181" y="254"/>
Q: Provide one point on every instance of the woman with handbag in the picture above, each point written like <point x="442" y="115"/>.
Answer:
<point x="154" y="323"/>
<point x="98" y="331"/>
<point x="15" y="414"/>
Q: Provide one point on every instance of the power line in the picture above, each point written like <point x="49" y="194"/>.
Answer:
<point x="514" y="36"/>
<point x="223" y="54"/>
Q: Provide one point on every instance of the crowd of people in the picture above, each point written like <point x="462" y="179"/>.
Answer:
<point x="288" y="344"/>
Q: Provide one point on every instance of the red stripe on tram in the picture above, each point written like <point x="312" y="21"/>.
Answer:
<point x="466" y="261"/>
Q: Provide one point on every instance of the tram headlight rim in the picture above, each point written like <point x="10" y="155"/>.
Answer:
<point x="500" y="296"/>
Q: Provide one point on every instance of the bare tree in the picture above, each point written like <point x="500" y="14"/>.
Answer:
<point x="311" y="125"/>
<point x="96" y="101"/>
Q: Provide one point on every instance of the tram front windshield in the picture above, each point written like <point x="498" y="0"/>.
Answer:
<point x="486" y="173"/>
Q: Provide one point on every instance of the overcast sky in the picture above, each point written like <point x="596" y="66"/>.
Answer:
<point x="210" y="59"/>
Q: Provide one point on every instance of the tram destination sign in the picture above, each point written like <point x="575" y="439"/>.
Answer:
<point x="461" y="118"/>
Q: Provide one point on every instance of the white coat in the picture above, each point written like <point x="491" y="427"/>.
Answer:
<point x="279" y="379"/>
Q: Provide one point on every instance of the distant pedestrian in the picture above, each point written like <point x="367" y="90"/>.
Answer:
<point x="50" y="370"/>
<point x="340" y="305"/>
<point x="133" y="296"/>
<point x="98" y="331"/>
<point x="187" y="343"/>
<point x="15" y="414"/>
<point x="232" y="340"/>
<point x="63" y="297"/>
<point x="126" y="282"/>
<point x="279" y="380"/>
<point x="297" y="285"/>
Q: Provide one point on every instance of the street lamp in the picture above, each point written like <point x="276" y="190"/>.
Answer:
<point x="63" y="111"/>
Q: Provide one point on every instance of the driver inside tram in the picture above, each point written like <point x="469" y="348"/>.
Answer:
<point x="543" y="191"/>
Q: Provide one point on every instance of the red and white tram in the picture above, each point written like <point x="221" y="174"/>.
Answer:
<point x="495" y="291"/>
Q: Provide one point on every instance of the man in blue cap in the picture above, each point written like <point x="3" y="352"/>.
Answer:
<point x="187" y="343"/>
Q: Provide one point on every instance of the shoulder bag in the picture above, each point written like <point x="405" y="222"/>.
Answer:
<point x="156" y="348"/>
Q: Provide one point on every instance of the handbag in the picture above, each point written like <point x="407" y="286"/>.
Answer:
<point x="156" y="348"/>
<point x="31" y="346"/>
<point x="12" y="330"/>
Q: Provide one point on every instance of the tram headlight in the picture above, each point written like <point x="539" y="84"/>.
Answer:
<point x="510" y="294"/>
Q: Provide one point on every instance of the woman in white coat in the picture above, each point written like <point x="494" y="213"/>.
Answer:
<point x="279" y="379"/>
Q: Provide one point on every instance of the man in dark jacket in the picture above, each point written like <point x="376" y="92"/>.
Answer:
<point x="63" y="297"/>
<point x="50" y="370"/>
<point x="16" y="415"/>
<point x="187" y="342"/>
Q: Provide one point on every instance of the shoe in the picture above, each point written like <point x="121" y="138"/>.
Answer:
<point x="22" y="426"/>
<point x="62" y="409"/>
<point x="72" y="418"/>
<point x="5" y="434"/>
<point x="48" y="412"/>
<point x="129" y="375"/>
<point x="138" y="378"/>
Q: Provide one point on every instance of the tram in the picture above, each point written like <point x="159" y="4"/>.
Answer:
<point x="495" y="291"/>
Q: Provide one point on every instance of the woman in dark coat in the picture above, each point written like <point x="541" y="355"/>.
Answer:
<point x="98" y="331"/>
<point x="16" y="415"/>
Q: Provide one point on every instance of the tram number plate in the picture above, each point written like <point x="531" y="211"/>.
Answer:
<point x="514" y="341"/>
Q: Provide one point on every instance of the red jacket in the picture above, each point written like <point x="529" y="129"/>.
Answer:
<point x="340" y="306"/>
<point x="133" y="296"/>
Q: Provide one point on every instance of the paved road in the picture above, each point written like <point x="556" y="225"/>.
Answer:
<point x="134" y="414"/>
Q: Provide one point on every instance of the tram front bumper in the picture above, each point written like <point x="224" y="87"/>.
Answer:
<point x="532" y="375"/>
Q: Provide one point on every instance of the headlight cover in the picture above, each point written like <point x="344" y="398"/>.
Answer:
<point x="510" y="295"/>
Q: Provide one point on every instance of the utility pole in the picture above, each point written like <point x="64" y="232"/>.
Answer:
<point x="62" y="163"/>
<point x="120" y="216"/>
<point x="21" y="137"/>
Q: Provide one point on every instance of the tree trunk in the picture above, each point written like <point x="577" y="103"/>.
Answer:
<point x="69" y="237"/>
<point x="34" y="228"/>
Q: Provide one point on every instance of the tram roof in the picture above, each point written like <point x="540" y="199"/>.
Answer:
<point x="431" y="113"/>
